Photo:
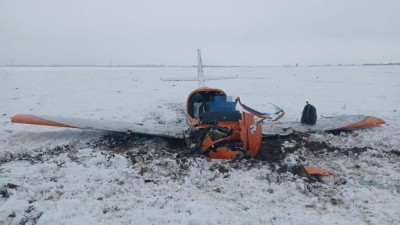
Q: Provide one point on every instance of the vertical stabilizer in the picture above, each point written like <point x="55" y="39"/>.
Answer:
<point x="200" y="75"/>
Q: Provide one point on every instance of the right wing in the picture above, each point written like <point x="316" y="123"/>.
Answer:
<point x="344" y="122"/>
<point x="160" y="130"/>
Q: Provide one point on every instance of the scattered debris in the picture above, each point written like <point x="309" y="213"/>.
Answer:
<point x="281" y="154"/>
<point x="311" y="170"/>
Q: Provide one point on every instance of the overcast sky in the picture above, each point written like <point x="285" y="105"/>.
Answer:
<point x="229" y="32"/>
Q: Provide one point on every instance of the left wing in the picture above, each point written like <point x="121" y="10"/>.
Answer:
<point x="161" y="130"/>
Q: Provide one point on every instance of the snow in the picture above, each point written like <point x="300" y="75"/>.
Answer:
<point x="65" y="176"/>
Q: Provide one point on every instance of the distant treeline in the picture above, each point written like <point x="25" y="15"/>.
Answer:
<point x="150" y="65"/>
<point x="364" y="64"/>
<point x="222" y="66"/>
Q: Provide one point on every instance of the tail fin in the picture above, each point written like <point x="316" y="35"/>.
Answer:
<point x="200" y="75"/>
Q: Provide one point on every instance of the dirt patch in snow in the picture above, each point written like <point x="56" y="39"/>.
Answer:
<point x="281" y="154"/>
<point x="275" y="153"/>
<point x="276" y="149"/>
<point x="41" y="155"/>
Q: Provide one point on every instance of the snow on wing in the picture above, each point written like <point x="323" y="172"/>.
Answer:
<point x="160" y="130"/>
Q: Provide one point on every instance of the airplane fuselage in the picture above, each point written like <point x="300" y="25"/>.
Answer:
<point x="217" y="128"/>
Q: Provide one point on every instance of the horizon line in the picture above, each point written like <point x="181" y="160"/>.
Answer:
<point x="190" y="66"/>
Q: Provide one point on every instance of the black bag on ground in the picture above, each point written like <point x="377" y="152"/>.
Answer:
<point x="309" y="115"/>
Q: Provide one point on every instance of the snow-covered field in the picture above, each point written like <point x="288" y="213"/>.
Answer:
<point x="64" y="176"/>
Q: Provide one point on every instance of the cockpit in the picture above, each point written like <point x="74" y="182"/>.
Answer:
<point x="213" y="107"/>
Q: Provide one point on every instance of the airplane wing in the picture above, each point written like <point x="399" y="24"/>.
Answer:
<point x="271" y="128"/>
<point x="344" y="122"/>
<point x="161" y="130"/>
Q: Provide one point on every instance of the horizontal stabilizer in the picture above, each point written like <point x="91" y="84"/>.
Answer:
<point x="160" y="130"/>
<point x="195" y="79"/>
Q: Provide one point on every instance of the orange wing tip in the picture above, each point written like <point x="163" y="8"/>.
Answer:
<point x="375" y="120"/>
<point x="369" y="121"/>
<point x="311" y="170"/>
<point x="29" y="119"/>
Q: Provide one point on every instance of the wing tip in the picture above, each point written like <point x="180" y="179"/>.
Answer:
<point x="369" y="121"/>
<point x="35" y="120"/>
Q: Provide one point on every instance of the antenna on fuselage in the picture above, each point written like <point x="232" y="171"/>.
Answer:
<point x="200" y="75"/>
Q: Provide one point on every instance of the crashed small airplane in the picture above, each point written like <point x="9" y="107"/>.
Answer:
<point x="214" y="124"/>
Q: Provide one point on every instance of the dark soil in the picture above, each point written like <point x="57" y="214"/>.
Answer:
<point x="395" y="152"/>
<point x="144" y="148"/>
<point x="271" y="149"/>
<point x="40" y="155"/>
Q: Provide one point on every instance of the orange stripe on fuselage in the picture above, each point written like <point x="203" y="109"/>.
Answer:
<point x="29" y="119"/>
<point x="370" y="121"/>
